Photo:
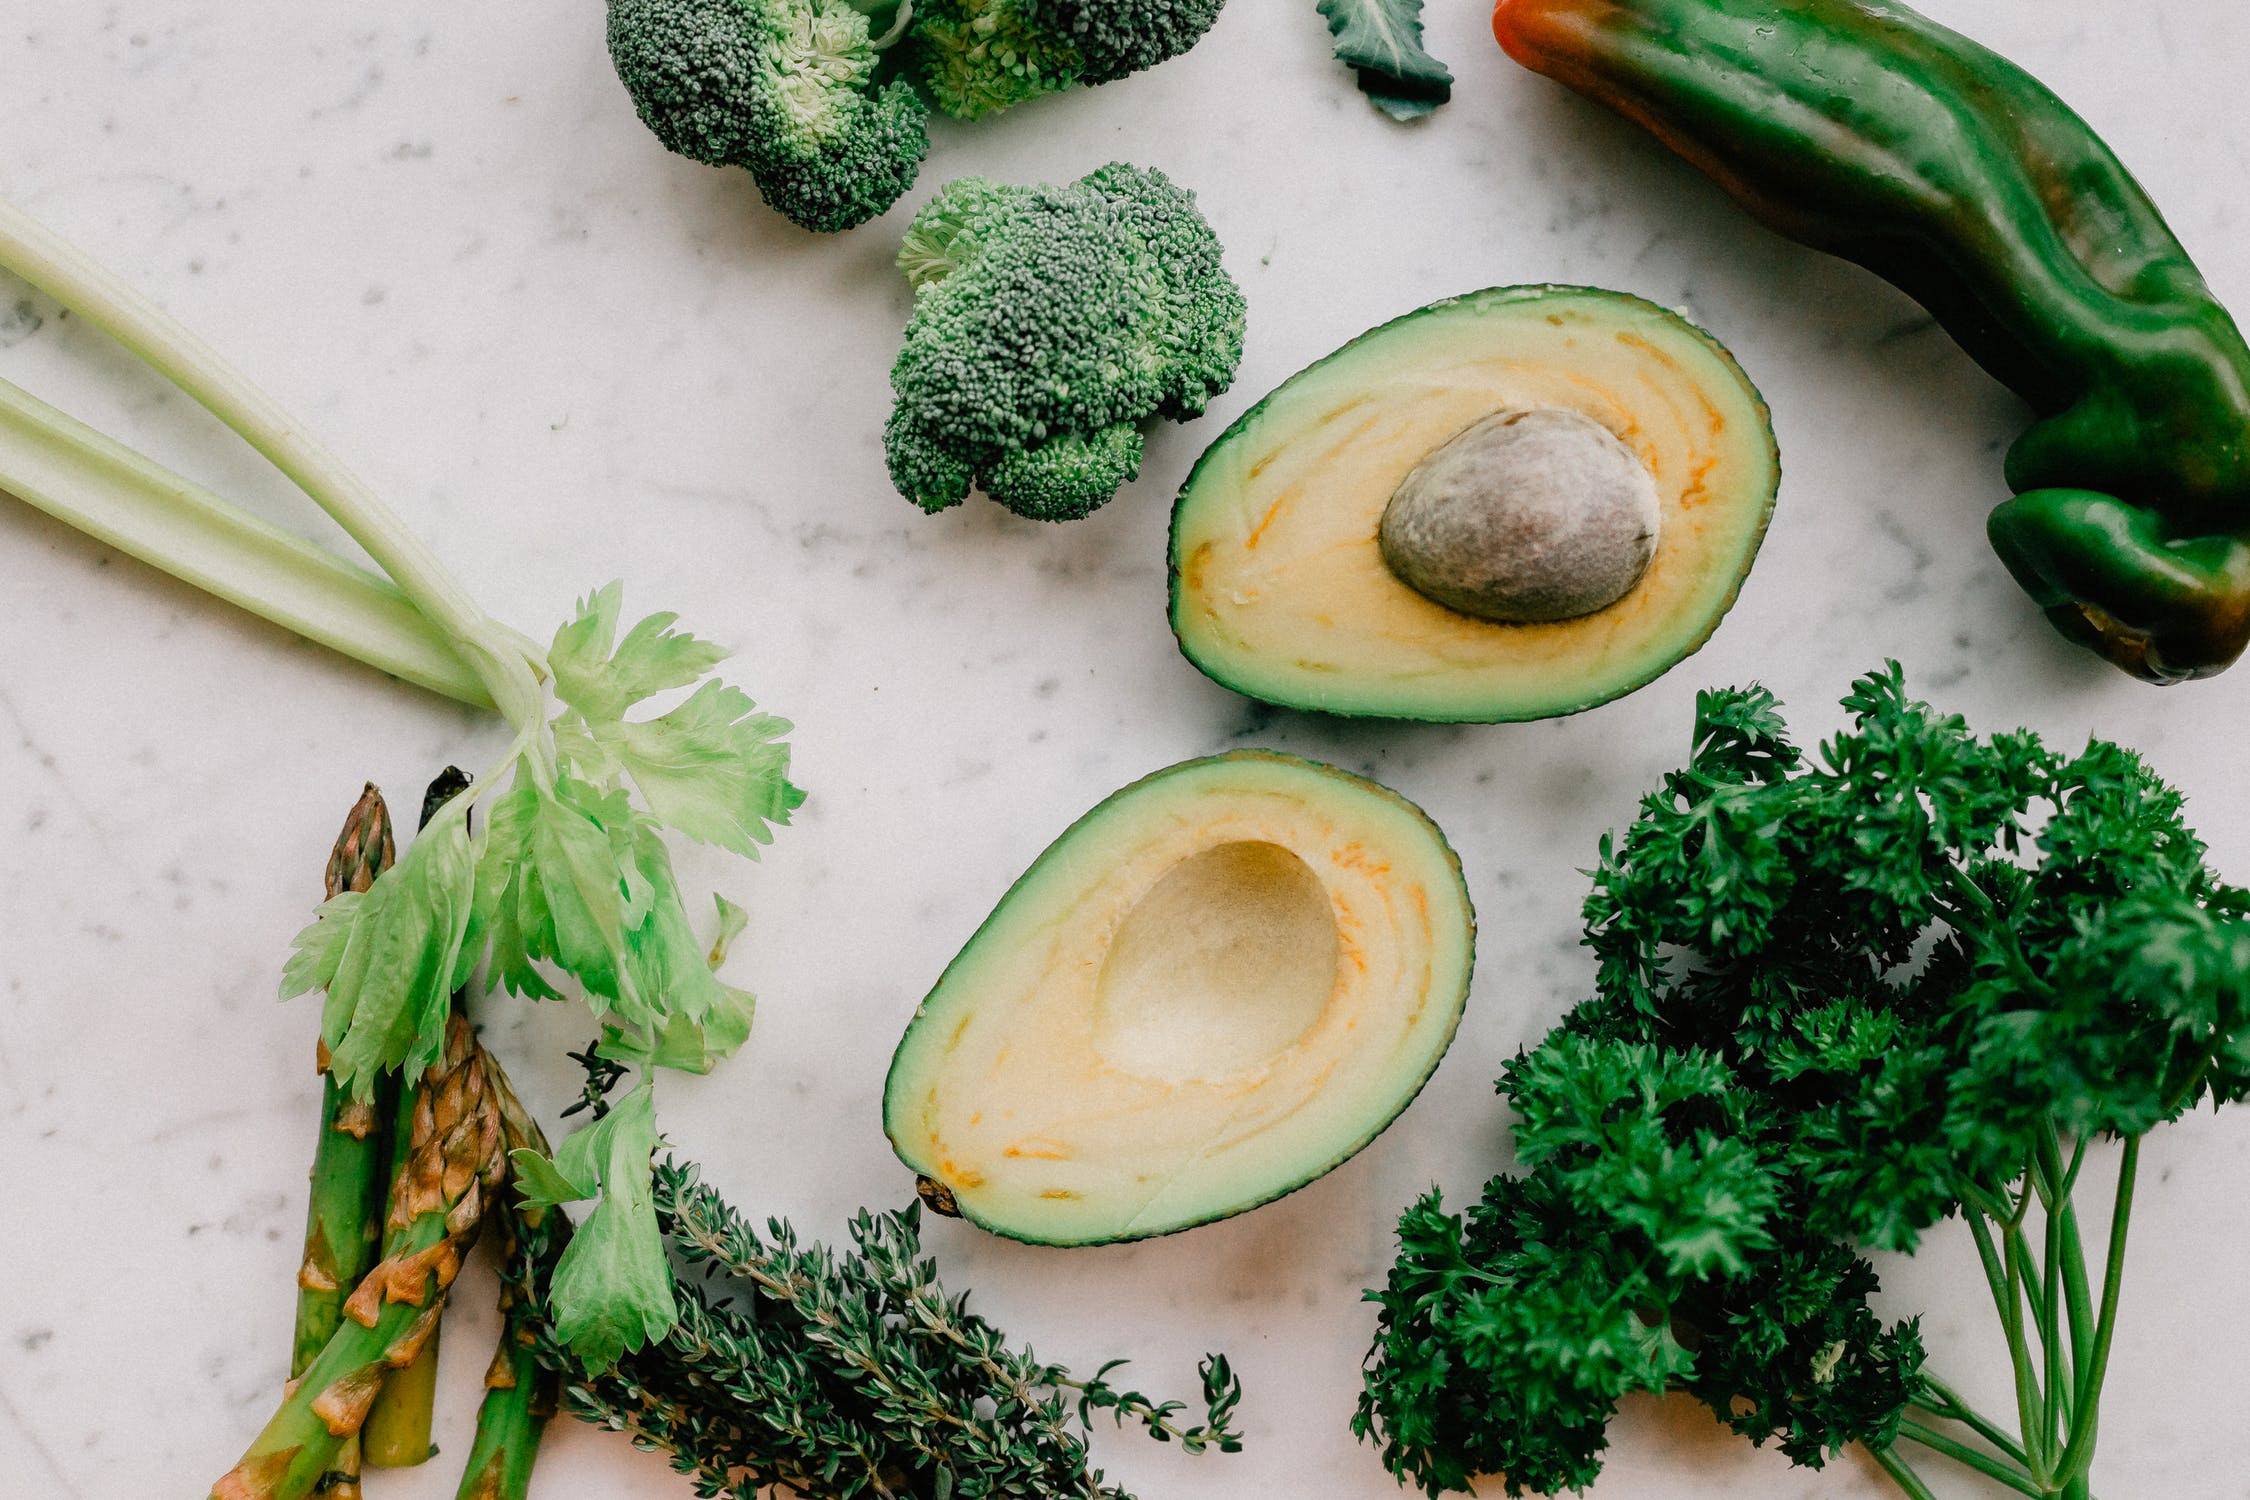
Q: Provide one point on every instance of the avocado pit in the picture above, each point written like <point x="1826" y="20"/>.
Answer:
<point x="1527" y="517"/>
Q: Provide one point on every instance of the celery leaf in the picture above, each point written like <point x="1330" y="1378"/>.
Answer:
<point x="612" y="1290"/>
<point x="714" y="768"/>
<point x="601" y="676"/>
<point x="696" y="1043"/>
<point x="316" y="951"/>
<point x="392" y="983"/>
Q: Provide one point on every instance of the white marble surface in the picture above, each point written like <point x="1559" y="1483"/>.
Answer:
<point x="438" y="233"/>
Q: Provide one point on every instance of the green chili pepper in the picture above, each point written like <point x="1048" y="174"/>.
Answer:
<point x="1864" y="129"/>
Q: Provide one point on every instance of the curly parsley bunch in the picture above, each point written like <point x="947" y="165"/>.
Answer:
<point x="1840" y="1000"/>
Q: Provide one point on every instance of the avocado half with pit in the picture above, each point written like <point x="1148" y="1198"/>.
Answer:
<point x="1217" y="986"/>
<point x="1510" y="505"/>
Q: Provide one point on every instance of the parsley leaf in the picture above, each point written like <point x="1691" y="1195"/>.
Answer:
<point x="1839" y="999"/>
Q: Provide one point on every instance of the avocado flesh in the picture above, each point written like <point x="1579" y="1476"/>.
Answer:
<point x="1279" y="588"/>
<point x="1217" y="986"/>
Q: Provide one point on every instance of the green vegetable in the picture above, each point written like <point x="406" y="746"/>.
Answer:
<point x="397" y="1432"/>
<point x="351" y="1166"/>
<point x="569" y="876"/>
<point x="1049" y="324"/>
<point x="1860" y="127"/>
<point x="785" y="88"/>
<point x="437" y="1203"/>
<point x="1381" y="41"/>
<point x="978" y="56"/>
<point x="1838" y="1002"/>
<point x="1285" y="589"/>
<point x="1219" y="985"/>
<point x="845" y="1375"/>
<point x="818" y="99"/>
<point x="618" y="1244"/>
<point x="520" y="1395"/>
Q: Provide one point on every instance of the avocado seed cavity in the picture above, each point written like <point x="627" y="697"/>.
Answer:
<point x="1226" y="962"/>
<point x="1526" y="517"/>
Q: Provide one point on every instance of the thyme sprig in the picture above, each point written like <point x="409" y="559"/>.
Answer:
<point x="836" y="1374"/>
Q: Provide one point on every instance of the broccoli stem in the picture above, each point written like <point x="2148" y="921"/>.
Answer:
<point x="502" y="662"/>
<point x="887" y="21"/>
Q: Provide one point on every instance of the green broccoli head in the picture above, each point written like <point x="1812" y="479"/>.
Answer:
<point x="1049" y="324"/>
<point x="785" y="88"/>
<point x="979" y="56"/>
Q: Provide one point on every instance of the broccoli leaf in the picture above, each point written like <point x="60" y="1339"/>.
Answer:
<point x="1381" y="41"/>
<point x="612" y="1290"/>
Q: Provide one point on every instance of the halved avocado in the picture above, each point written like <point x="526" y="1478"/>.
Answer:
<point x="1280" y="586"/>
<point x="1217" y="986"/>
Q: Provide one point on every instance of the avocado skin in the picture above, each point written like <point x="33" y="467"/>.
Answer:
<point x="893" y="1083"/>
<point x="1499" y="296"/>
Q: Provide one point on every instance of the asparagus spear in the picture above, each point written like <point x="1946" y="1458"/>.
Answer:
<point x="437" y="1204"/>
<point x="396" y="1434"/>
<point x="350" y="1172"/>
<point x="520" y="1393"/>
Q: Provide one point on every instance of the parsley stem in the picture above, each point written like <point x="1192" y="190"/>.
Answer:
<point x="2077" y="1295"/>
<point x="1996" y="928"/>
<point x="1968" y="1457"/>
<point x="2080" y="1455"/>
<point x="2004" y="1269"/>
<point x="1948" y="1405"/>
<point x="2058" y="1376"/>
<point x="1902" y="1473"/>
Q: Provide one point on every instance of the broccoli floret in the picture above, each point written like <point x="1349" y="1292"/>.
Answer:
<point x="983" y="55"/>
<point x="1049" y="324"/>
<point x="785" y="88"/>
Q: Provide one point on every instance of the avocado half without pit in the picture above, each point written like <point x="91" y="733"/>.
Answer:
<point x="1510" y="505"/>
<point x="1217" y="986"/>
